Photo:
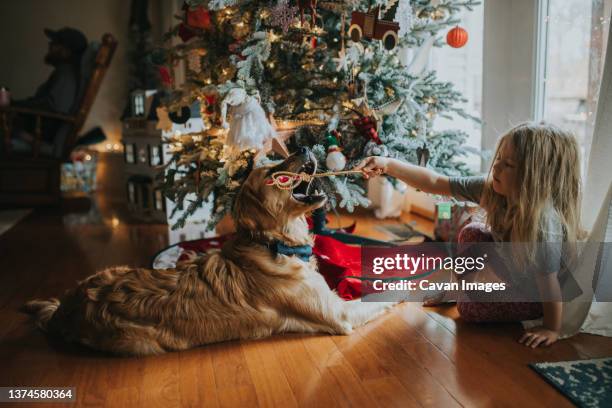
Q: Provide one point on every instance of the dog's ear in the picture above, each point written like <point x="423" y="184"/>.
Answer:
<point x="249" y="210"/>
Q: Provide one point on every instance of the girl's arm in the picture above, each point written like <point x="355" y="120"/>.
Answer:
<point x="416" y="176"/>
<point x="548" y="333"/>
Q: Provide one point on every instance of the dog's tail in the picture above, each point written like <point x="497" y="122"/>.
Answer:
<point x="41" y="311"/>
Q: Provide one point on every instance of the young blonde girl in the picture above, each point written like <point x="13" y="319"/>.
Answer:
<point x="531" y="196"/>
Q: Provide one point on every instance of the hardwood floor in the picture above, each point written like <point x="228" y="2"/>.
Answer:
<point x="413" y="356"/>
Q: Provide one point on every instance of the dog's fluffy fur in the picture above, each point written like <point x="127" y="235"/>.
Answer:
<point x="242" y="291"/>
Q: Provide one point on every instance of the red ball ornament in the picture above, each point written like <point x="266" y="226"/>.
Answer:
<point x="457" y="37"/>
<point x="199" y="18"/>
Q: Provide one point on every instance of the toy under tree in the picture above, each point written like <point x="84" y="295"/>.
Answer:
<point x="311" y="77"/>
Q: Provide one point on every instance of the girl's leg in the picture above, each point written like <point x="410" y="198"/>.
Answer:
<point x="479" y="312"/>
<point x="472" y="232"/>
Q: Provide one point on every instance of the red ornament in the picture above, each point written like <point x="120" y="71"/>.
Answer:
<point x="457" y="37"/>
<point x="199" y="17"/>
<point x="367" y="127"/>
<point x="185" y="32"/>
<point x="164" y="74"/>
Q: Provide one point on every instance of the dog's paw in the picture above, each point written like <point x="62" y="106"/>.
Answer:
<point x="343" y="328"/>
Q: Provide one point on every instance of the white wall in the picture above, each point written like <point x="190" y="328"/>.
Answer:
<point x="23" y="46"/>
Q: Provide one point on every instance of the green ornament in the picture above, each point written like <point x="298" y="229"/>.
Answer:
<point x="330" y="140"/>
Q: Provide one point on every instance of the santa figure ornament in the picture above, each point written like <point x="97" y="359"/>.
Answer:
<point x="249" y="127"/>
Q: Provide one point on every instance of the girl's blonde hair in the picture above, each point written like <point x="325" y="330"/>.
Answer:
<point x="548" y="172"/>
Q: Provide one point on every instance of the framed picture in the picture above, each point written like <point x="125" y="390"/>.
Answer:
<point x="129" y="153"/>
<point x="155" y="155"/>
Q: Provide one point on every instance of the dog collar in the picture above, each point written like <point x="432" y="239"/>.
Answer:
<point x="304" y="252"/>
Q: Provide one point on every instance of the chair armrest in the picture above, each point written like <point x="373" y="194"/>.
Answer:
<point x="35" y="112"/>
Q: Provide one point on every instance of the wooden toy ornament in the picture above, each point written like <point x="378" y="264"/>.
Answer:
<point x="369" y="25"/>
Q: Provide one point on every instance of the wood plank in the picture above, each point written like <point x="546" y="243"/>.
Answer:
<point x="268" y="377"/>
<point x="233" y="381"/>
<point x="302" y="374"/>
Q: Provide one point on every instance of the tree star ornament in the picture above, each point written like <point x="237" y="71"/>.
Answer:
<point x="282" y="15"/>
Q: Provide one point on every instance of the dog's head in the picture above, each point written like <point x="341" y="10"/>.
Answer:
<point x="262" y="206"/>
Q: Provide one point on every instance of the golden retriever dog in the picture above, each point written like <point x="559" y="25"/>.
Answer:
<point x="245" y="290"/>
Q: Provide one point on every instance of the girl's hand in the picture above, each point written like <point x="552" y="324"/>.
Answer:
<point x="539" y="336"/>
<point x="373" y="166"/>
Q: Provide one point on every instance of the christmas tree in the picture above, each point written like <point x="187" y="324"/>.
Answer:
<point x="346" y="78"/>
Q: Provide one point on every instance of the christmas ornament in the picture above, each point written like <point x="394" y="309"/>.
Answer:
<point x="366" y="125"/>
<point x="335" y="160"/>
<point x="249" y="127"/>
<point x="422" y="155"/>
<point x="185" y="33"/>
<point x="164" y="75"/>
<point x="163" y="121"/>
<point x="282" y="15"/>
<point x="368" y="25"/>
<point x="457" y="37"/>
<point x="312" y="6"/>
<point x="199" y="17"/>
<point x="180" y="117"/>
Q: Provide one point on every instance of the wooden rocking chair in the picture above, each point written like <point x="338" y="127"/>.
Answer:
<point x="31" y="177"/>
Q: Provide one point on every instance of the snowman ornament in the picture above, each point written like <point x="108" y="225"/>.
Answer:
<point x="335" y="160"/>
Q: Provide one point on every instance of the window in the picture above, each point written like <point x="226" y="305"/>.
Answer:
<point x="155" y="155"/>
<point x="145" y="193"/>
<point x="138" y="103"/>
<point x="463" y="67"/>
<point x="131" y="192"/>
<point x="572" y="50"/>
<point x="129" y="153"/>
